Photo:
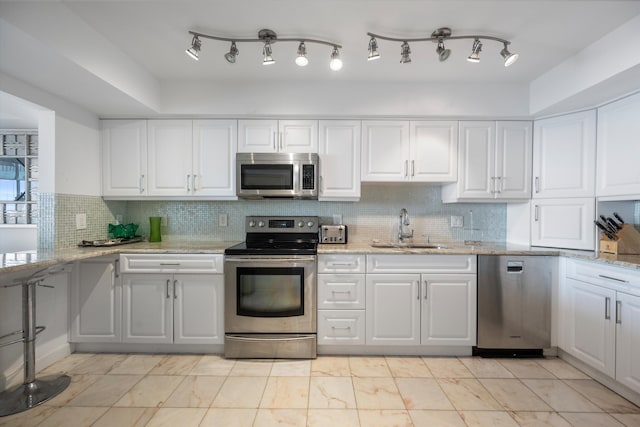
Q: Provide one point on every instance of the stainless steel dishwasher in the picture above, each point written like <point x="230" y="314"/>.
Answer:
<point x="514" y="305"/>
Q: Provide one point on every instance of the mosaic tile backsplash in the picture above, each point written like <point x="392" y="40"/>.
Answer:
<point x="375" y="216"/>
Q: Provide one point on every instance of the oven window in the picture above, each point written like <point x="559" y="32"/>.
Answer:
<point x="266" y="177"/>
<point x="270" y="292"/>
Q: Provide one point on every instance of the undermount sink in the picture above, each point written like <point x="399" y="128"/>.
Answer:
<point x="408" y="245"/>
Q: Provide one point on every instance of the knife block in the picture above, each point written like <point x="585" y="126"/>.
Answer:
<point x="628" y="243"/>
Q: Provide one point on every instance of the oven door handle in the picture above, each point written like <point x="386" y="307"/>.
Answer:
<point x="263" y="339"/>
<point x="274" y="260"/>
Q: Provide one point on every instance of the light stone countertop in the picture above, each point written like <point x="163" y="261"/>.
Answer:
<point x="23" y="263"/>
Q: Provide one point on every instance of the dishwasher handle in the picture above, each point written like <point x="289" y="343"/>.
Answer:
<point x="515" y="267"/>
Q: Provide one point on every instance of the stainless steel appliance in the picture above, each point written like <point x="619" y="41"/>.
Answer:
<point x="270" y="289"/>
<point x="277" y="175"/>
<point x="514" y="305"/>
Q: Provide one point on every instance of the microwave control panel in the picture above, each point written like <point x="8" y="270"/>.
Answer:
<point x="308" y="177"/>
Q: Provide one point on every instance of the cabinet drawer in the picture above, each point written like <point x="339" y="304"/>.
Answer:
<point x="598" y="273"/>
<point x="341" y="263"/>
<point x="171" y="263"/>
<point x="341" y="327"/>
<point x="341" y="291"/>
<point x="421" y="264"/>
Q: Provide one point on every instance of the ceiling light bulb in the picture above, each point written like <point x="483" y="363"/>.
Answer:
<point x="443" y="53"/>
<point x="194" y="50"/>
<point x="266" y="54"/>
<point x="405" y="53"/>
<point x="509" y="58"/>
<point x="301" y="59"/>
<point x="336" y="63"/>
<point x="233" y="52"/>
<point x="373" y="49"/>
<point x="475" y="51"/>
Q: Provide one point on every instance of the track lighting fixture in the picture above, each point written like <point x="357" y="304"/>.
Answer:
<point x="301" y="59"/>
<point x="336" y="63"/>
<point x="475" y="51"/>
<point x="405" y="51"/>
<point x="231" y="55"/>
<point x="267" y="37"/>
<point x="194" y="50"/>
<point x="439" y="36"/>
<point x="373" y="49"/>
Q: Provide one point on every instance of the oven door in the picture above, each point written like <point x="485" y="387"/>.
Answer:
<point x="270" y="294"/>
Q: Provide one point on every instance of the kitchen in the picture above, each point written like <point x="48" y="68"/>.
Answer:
<point x="72" y="183"/>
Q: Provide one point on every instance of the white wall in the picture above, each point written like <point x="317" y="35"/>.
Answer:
<point x="18" y="238"/>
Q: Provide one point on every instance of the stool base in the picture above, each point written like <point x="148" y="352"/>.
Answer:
<point x="27" y="395"/>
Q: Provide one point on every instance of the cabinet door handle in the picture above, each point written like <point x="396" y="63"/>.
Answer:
<point x="168" y="281"/>
<point x="175" y="289"/>
<point x="116" y="270"/>
<point x="494" y="185"/>
<point x="607" y="308"/>
<point x="281" y="140"/>
<point x="274" y="142"/>
<point x="141" y="184"/>
<point x="413" y="168"/>
<point x="535" y="213"/>
<point x="425" y="289"/>
<point x="406" y="168"/>
<point x="418" y="285"/>
<point x="619" y="312"/>
<point x="193" y="182"/>
<point x="499" y="183"/>
<point x="188" y="180"/>
<point x="537" y="184"/>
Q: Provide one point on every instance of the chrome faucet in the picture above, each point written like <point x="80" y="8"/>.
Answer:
<point x="404" y="220"/>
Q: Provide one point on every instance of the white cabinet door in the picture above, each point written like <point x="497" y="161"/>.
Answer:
<point x="339" y="151"/>
<point x="96" y="302"/>
<point x="448" y="309"/>
<point x="258" y="136"/>
<point x="147" y="308"/>
<point x="628" y="341"/>
<point x="513" y="159"/>
<point x="298" y="136"/>
<point x="214" y="158"/>
<point x="385" y="150"/>
<point x="618" y="148"/>
<point x="590" y="325"/>
<point x="433" y="151"/>
<point x="563" y="223"/>
<point x="198" y="309"/>
<point x="564" y="150"/>
<point x="170" y="157"/>
<point x="124" y="157"/>
<point x="393" y="309"/>
<point x="341" y="327"/>
<point x="477" y="160"/>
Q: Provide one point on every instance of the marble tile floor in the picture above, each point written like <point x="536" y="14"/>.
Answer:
<point x="123" y="390"/>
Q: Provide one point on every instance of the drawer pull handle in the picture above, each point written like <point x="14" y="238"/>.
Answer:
<point x="341" y="327"/>
<point x="341" y="264"/>
<point x="612" y="278"/>
<point x="169" y="263"/>
<point x="341" y="292"/>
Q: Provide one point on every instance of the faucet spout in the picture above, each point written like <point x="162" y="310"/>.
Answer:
<point x="404" y="220"/>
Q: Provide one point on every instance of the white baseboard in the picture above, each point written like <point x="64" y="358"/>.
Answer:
<point x="392" y="350"/>
<point x="149" y="348"/>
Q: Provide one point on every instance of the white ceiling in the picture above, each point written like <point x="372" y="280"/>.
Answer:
<point x="149" y="37"/>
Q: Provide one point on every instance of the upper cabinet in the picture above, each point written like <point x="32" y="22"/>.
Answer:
<point x="124" y="157"/>
<point x="277" y="136"/>
<point x="169" y="158"/>
<point x="564" y="151"/>
<point x="416" y="151"/>
<point x="339" y="151"/>
<point x="618" y="148"/>
<point x="494" y="162"/>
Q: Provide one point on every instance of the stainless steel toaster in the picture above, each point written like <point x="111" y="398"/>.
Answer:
<point x="333" y="234"/>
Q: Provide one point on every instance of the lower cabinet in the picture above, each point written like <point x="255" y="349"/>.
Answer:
<point x="600" y="319"/>
<point x="437" y="307"/>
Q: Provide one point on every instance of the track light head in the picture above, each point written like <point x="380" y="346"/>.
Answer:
<point x="231" y="55"/>
<point x="336" y="63"/>
<point x="475" y="51"/>
<point x="373" y="50"/>
<point x="267" y="59"/>
<point x="301" y="59"/>
<point x="509" y="58"/>
<point x="443" y="53"/>
<point x="405" y="52"/>
<point x="194" y="50"/>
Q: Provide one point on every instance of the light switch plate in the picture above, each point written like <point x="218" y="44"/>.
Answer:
<point x="81" y="221"/>
<point x="223" y="220"/>
<point x="119" y="218"/>
<point x="457" y="221"/>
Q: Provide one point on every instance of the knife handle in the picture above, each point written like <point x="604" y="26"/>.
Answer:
<point x="615" y="214"/>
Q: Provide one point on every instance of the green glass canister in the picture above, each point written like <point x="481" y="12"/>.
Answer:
<point x="154" y="235"/>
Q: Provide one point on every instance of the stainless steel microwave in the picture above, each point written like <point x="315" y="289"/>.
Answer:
<point x="277" y="175"/>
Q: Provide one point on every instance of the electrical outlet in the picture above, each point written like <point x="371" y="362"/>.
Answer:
<point x="223" y="220"/>
<point x="457" y="221"/>
<point x="81" y="221"/>
<point x="337" y="218"/>
<point x="119" y="218"/>
<point x="163" y="221"/>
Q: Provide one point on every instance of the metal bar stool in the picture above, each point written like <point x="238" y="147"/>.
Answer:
<point x="32" y="391"/>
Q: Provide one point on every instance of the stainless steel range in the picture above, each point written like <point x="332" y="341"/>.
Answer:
<point x="270" y="289"/>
